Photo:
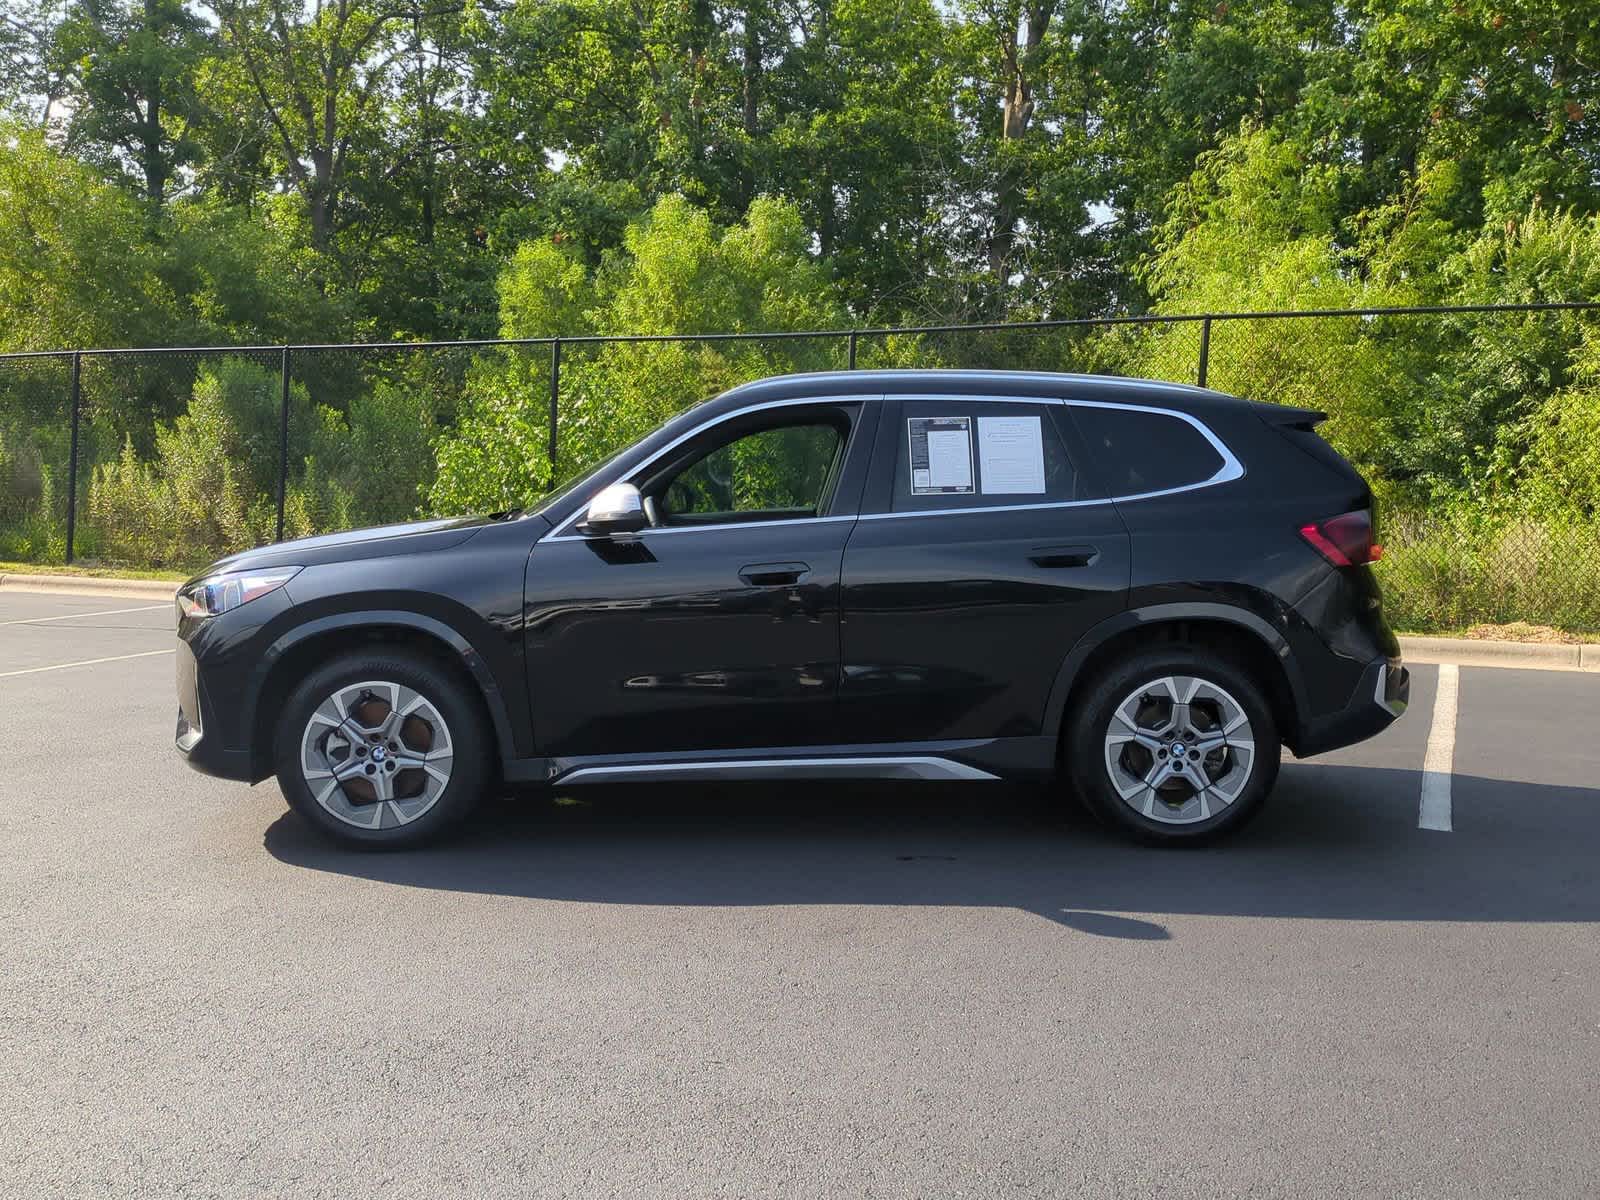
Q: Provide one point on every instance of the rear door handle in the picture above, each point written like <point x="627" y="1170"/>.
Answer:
<point x="1064" y="556"/>
<point x="780" y="574"/>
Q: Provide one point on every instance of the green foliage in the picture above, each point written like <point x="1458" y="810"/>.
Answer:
<point x="496" y="456"/>
<point x="76" y="268"/>
<point x="244" y="275"/>
<point x="1561" y="475"/>
<point x="130" y="66"/>
<point x="209" y="490"/>
<point x="1458" y="565"/>
<point x="29" y="529"/>
<point x="387" y="454"/>
<point x="677" y="272"/>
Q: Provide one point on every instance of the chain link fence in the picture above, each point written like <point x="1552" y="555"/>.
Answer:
<point x="1479" y="427"/>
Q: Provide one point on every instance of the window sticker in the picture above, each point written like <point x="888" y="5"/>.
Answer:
<point x="1011" y="456"/>
<point x="941" y="455"/>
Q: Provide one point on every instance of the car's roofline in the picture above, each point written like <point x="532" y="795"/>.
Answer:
<point x="1108" y="388"/>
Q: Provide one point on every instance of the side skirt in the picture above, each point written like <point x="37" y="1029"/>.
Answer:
<point x="984" y="759"/>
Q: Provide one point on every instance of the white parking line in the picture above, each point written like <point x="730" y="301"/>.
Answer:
<point x="110" y="612"/>
<point x="87" y="662"/>
<point x="1437" y="763"/>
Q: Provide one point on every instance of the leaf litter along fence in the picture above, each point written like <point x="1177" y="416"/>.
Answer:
<point x="258" y="443"/>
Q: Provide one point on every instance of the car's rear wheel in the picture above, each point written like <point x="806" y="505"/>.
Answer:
<point x="1174" y="745"/>
<point x="381" y="749"/>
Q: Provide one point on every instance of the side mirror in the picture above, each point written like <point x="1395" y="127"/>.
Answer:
<point x="617" y="509"/>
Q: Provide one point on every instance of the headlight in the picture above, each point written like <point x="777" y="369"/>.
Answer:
<point x="216" y="594"/>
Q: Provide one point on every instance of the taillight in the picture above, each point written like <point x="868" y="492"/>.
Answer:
<point x="1345" y="540"/>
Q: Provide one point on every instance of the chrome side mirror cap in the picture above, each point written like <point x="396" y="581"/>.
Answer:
<point x="616" y="509"/>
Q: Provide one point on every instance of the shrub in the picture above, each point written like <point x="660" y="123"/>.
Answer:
<point x="211" y="486"/>
<point x="1458" y="566"/>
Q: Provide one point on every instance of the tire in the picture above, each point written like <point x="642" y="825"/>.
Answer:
<point x="426" y="769"/>
<point x="1119" y="742"/>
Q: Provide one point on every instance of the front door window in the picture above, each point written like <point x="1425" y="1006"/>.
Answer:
<point x="772" y="474"/>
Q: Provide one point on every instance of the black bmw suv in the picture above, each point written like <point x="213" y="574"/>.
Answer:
<point x="1140" y="588"/>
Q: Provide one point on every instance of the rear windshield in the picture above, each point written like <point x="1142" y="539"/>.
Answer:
<point x="1140" y="451"/>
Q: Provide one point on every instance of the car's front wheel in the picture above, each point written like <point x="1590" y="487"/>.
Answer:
<point x="1174" y="745"/>
<point x="381" y="748"/>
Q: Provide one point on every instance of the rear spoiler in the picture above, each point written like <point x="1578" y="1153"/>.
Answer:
<point x="1289" y="418"/>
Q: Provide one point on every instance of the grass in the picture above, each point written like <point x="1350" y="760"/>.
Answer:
<point x="91" y="572"/>
<point x="1512" y="631"/>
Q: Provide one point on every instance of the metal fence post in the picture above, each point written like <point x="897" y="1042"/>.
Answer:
<point x="555" y="397"/>
<point x="852" y="349"/>
<point x="1205" y="349"/>
<point x="283" y="443"/>
<point x="72" y="454"/>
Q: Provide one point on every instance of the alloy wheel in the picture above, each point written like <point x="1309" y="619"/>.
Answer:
<point x="376" y="755"/>
<point x="1179" y="749"/>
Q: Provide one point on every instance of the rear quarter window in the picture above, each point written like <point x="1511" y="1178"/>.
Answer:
<point x="1138" y="451"/>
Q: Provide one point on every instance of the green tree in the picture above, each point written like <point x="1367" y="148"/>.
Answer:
<point x="76" y="267"/>
<point x="315" y="76"/>
<point x="678" y="271"/>
<point x="31" y="82"/>
<point x="130" y="65"/>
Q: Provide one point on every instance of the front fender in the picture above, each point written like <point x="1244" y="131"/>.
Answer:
<point x="366" y="619"/>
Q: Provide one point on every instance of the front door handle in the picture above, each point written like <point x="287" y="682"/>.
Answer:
<point x="1064" y="556"/>
<point x="781" y="574"/>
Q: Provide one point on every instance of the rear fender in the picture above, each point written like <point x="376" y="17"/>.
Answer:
<point x="1271" y="638"/>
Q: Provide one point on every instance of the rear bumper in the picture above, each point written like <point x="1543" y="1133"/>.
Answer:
<point x="1382" y="694"/>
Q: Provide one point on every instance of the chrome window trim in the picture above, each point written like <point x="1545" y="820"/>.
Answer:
<point x="976" y="510"/>
<point x="1230" y="470"/>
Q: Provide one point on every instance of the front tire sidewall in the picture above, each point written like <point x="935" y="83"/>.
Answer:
<point x="1085" y="746"/>
<point x="469" y="766"/>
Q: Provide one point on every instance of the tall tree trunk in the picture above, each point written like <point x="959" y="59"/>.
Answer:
<point x="1020" y="52"/>
<point x="752" y="68"/>
<point x="155" y="165"/>
<point x="827" y="216"/>
<point x="425" y="125"/>
<point x="702" y="28"/>
<point x="319" y="197"/>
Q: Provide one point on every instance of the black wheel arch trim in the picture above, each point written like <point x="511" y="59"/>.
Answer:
<point x="1271" y="638"/>
<point x="470" y="658"/>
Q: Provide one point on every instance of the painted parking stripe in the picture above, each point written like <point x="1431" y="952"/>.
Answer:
<point x="1434" y="810"/>
<point x="87" y="662"/>
<point x="110" y="612"/>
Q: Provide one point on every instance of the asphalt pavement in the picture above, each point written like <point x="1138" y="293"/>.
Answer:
<point x="886" y="991"/>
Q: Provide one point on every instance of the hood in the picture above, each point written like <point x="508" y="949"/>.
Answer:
<point x="408" y="537"/>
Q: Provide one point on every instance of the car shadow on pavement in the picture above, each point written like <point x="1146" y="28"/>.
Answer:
<point x="1335" y="842"/>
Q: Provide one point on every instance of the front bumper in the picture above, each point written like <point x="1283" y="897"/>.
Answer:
<point x="1382" y="694"/>
<point x="196" y="715"/>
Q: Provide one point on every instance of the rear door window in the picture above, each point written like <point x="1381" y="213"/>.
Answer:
<point x="957" y="454"/>
<point x="1136" y="451"/>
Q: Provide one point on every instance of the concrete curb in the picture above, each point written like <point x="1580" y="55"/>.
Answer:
<point x="1526" y="656"/>
<point x="88" y="585"/>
